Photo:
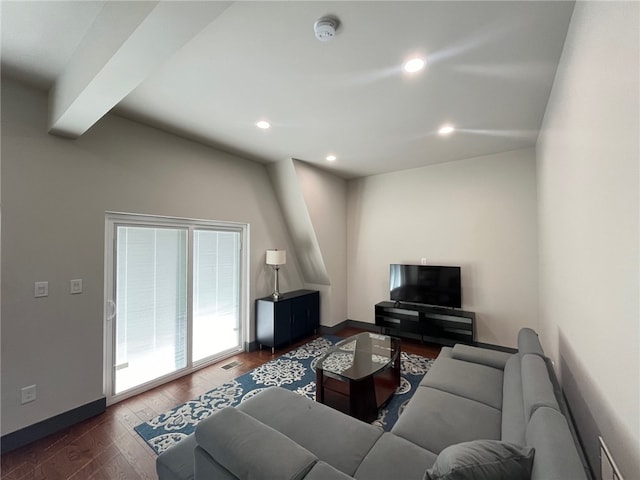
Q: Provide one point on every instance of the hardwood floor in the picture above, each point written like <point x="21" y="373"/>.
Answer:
<point x="107" y="447"/>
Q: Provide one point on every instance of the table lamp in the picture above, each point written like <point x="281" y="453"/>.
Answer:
<point x="275" y="258"/>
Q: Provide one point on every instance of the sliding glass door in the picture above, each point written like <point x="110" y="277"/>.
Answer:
<point x="174" y="299"/>
<point x="151" y="300"/>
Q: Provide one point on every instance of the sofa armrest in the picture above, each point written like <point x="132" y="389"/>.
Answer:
<point x="556" y="456"/>
<point x="537" y="389"/>
<point x="528" y="342"/>
<point x="176" y="463"/>
<point x="483" y="356"/>
<point x="248" y="448"/>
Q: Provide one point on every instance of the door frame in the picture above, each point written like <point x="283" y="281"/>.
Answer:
<point x="112" y="220"/>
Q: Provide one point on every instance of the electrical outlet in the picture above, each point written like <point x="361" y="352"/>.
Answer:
<point x="423" y="261"/>
<point x="28" y="394"/>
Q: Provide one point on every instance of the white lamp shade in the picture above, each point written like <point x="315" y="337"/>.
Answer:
<point x="276" y="257"/>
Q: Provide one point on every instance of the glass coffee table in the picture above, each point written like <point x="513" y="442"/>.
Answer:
<point x="358" y="375"/>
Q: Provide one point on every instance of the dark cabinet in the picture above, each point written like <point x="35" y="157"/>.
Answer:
<point x="293" y="316"/>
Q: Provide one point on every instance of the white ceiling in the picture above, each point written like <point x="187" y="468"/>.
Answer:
<point x="210" y="70"/>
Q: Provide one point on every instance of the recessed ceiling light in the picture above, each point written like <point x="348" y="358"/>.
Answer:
<point x="446" y="130"/>
<point x="263" y="124"/>
<point x="414" y="65"/>
<point x="331" y="158"/>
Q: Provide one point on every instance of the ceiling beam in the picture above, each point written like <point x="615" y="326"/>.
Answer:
<point x="118" y="53"/>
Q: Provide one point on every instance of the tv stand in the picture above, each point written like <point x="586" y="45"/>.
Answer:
<point x="445" y="326"/>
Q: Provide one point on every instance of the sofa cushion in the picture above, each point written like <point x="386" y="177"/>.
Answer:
<point x="394" y="457"/>
<point x="207" y="467"/>
<point x="556" y="454"/>
<point x="537" y="389"/>
<point x="483" y="356"/>
<point x="332" y="436"/>
<point x="446" y="352"/>
<point x="229" y="434"/>
<point x="482" y="459"/>
<point x="470" y="380"/>
<point x="435" y="419"/>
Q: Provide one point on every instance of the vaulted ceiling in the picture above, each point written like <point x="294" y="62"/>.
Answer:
<point x="210" y="70"/>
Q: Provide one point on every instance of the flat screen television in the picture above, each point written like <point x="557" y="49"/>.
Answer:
<point x="426" y="284"/>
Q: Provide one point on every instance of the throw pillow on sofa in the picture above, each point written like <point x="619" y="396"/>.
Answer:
<point x="482" y="459"/>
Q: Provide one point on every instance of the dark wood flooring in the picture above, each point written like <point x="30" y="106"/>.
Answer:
<point x="107" y="447"/>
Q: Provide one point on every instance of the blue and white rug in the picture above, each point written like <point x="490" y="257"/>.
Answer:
<point x="294" y="371"/>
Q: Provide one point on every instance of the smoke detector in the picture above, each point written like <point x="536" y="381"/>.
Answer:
<point x="325" y="28"/>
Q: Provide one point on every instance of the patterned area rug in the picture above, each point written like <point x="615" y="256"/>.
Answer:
<point x="295" y="371"/>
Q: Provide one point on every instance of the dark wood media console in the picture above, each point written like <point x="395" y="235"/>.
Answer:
<point x="445" y="326"/>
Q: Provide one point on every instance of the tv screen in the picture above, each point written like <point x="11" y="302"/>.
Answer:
<point x="428" y="284"/>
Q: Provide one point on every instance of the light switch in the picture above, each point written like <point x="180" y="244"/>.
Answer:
<point x="41" y="289"/>
<point x="75" y="286"/>
<point x="28" y="394"/>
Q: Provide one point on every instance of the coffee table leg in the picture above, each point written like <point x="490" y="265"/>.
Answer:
<point x="319" y="385"/>
<point x="362" y="399"/>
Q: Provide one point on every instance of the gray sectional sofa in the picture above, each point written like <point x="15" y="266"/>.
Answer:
<point x="477" y="413"/>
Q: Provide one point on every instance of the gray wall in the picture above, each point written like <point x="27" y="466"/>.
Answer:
<point x="54" y="196"/>
<point x="308" y="256"/>
<point x="325" y="196"/>
<point x="588" y="167"/>
<point x="314" y="205"/>
<point x="478" y="213"/>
